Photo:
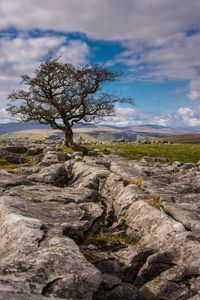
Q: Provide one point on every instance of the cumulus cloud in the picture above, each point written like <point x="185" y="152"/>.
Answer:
<point x="23" y="55"/>
<point x="161" y="39"/>
<point x="188" y="116"/>
<point x="76" y="52"/>
<point x="110" y="19"/>
<point x="175" y="58"/>
<point x="194" y="89"/>
<point x="183" y="117"/>
<point x="124" y="116"/>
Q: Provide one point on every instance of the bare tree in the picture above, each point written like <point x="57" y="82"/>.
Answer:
<point x="61" y="95"/>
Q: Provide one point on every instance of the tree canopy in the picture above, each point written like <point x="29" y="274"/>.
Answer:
<point x="60" y="94"/>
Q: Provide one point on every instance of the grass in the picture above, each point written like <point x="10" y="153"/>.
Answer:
<point x="137" y="181"/>
<point x="66" y="149"/>
<point x="154" y="200"/>
<point x="5" y="165"/>
<point x="31" y="159"/>
<point x="175" y="152"/>
<point x="101" y="239"/>
<point x="88" y="255"/>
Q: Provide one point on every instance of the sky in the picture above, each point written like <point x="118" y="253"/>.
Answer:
<point x="154" y="43"/>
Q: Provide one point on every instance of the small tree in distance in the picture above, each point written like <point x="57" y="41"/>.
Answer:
<point x="60" y="94"/>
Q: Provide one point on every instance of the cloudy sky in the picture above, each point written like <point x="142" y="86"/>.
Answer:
<point x="156" y="43"/>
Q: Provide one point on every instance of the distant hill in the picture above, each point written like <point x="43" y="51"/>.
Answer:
<point x="18" y="126"/>
<point x="185" y="139"/>
<point x="99" y="132"/>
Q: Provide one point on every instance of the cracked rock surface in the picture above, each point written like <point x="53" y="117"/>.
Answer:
<point x="99" y="228"/>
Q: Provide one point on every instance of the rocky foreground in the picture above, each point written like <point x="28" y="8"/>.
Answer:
<point x="98" y="227"/>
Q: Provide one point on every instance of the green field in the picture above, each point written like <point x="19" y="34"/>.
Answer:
<point x="174" y="152"/>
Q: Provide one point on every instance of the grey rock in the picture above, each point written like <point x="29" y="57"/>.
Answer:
<point x="51" y="157"/>
<point x="89" y="176"/>
<point x="75" y="213"/>
<point x="19" y="149"/>
<point x="9" y="180"/>
<point x="15" y="158"/>
<point x="55" y="174"/>
<point x="186" y="213"/>
<point x="155" y="159"/>
<point x="78" y="154"/>
<point x="48" y="263"/>
<point x="34" y="150"/>
<point x="154" y="226"/>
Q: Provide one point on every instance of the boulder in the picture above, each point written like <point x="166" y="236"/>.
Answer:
<point x="52" y="157"/>
<point x="33" y="230"/>
<point x="89" y="176"/>
<point x="15" y="158"/>
<point x="19" y="149"/>
<point x="55" y="174"/>
<point x="34" y="150"/>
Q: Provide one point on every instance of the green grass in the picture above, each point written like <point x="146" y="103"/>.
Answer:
<point x="175" y="152"/>
<point x="88" y="255"/>
<point x="101" y="239"/>
<point x="31" y="158"/>
<point x="5" y="165"/>
<point x="66" y="149"/>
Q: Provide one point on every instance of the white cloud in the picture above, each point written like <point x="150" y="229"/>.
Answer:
<point x="195" y="89"/>
<point x="175" y="58"/>
<point x="76" y="52"/>
<point x="188" y="116"/>
<point x="106" y="19"/>
<point x="153" y="32"/>
<point x="183" y="117"/>
<point x="23" y="55"/>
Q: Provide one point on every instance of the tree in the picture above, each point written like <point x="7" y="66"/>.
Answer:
<point x="60" y="94"/>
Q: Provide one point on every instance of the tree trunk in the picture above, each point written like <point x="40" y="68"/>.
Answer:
<point x="69" y="138"/>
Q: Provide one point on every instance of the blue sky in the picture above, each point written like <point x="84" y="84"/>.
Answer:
<point x="156" y="44"/>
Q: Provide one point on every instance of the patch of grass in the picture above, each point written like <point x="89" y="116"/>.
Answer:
<point x="137" y="181"/>
<point x="31" y="159"/>
<point x="66" y="149"/>
<point x="154" y="200"/>
<point x="101" y="239"/>
<point x="88" y="255"/>
<point x="5" y="165"/>
<point x="175" y="152"/>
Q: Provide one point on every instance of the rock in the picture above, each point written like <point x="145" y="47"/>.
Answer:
<point x="89" y="176"/>
<point x="123" y="168"/>
<point x="15" y="158"/>
<point x="113" y="288"/>
<point x="19" y="149"/>
<point x="153" y="225"/>
<point x="54" y="174"/>
<point x="78" y="154"/>
<point x="140" y="241"/>
<point x="126" y="198"/>
<point x="186" y="213"/>
<point x="48" y="263"/>
<point x="155" y="159"/>
<point x="34" y="150"/>
<point x="54" y="158"/>
<point x="77" y="213"/>
<point x="9" y="180"/>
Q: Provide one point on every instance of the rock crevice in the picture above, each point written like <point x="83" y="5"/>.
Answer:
<point x="99" y="228"/>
